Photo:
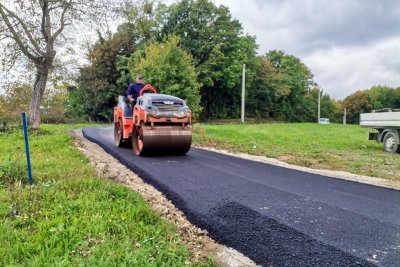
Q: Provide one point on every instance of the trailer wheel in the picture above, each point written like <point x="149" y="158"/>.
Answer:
<point x="389" y="142"/>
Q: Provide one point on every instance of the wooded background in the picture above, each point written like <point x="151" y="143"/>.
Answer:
<point x="192" y="49"/>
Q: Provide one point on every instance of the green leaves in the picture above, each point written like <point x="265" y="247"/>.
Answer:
<point x="376" y="97"/>
<point x="219" y="48"/>
<point x="104" y="79"/>
<point x="195" y="47"/>
<point x="170" y="69"/>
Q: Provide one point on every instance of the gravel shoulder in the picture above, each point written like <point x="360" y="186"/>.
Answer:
<point x="196" y="239"/>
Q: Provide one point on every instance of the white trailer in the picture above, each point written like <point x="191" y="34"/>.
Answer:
<point x="387" y="123"/>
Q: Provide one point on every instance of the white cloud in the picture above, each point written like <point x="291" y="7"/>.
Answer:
<point x="348" y="45"/>
<point x="341" y="70"/>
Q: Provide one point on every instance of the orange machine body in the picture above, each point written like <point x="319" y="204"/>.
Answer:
<point x="141" y="127"/>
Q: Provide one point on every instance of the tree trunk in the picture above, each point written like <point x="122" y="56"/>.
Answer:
<point x="38" y="91"/>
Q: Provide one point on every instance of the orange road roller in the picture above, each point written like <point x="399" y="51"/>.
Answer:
<point x="157" y="124"/>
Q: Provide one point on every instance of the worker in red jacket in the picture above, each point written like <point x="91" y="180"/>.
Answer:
<point x="134" y="89"/>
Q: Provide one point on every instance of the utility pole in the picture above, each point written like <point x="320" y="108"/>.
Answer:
<point x="243" y="91"/>
<point x="319" y="104"/>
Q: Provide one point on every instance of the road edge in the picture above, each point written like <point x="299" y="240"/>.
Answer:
<point x="363" y="179"/>
<point x="196" y="239"/>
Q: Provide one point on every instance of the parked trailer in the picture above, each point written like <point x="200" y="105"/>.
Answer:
<point x="387" y="123"/>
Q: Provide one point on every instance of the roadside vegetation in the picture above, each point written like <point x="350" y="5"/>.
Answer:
<point x="170" y="45"/>
<point x="333" y="146"/>
<point x="72" y="218"/>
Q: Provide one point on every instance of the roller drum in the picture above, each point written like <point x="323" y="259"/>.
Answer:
<point x="165" y="140"/>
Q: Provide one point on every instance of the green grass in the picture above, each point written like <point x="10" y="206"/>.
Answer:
<point x="332" y="146"/>
<point x="72" y="218"/>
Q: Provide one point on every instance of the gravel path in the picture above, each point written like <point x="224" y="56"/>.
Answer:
<point x="274" y="215"/>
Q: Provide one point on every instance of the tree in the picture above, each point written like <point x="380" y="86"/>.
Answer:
<point x="146" y="18"/>
<point x="397" y="98"/>
<point x="219" y="48"/>
<point x="107" y="75"/>
<point x="364" y="101"/>
<point x="100" y="83"/>
<point x="14" y="101"/>
<point x="338" y="113"/>
<point x="298" y="78"/>
<point x="382" y="97"/>
<point x="268" y="87"/>
<point x="100" y="77"/>
<point x="54" y="103"/>
<point x="170" y="69"/>
<point x="35" y="30"/>
<point x="308" y="111"/>
<point x="355" y="104"/>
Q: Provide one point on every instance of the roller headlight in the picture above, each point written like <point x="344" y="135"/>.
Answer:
<point x="152" y="111"/>
<point x="182" y="112"/>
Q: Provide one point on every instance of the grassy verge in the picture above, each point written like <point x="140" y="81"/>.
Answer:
<point x="332" y="146"/>
<point x="71" y="218"/>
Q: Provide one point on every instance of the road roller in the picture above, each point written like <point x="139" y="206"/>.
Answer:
<point x="156" y="124"/>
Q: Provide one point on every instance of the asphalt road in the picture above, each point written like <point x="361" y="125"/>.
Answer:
<point x="274" y="215"/>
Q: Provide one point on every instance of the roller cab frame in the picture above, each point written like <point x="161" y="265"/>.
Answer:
<point x="157" y="124"/>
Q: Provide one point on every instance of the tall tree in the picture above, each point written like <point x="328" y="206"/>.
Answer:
<point x="268" y="87"/>
<point x="146" y="18"/>
<point x="171" y="70"/>
<point x="298" y="78"/>
<point x="98" y="86"/>
<point x="35" y="30"/>
<point x="308" y="110"/>
<point x="107" y="74"/>
<point x="219" y="48"/>
<point x="356" y="103"/>
<point x="382" y="97"/>
<point x="397" y="98"/>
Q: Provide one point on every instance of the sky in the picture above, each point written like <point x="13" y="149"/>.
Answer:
<point x="348" y="45"/>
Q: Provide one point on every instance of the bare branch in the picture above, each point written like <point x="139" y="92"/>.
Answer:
<point x="48" y="25"/>
<point x="44" y="20"/>
<point x="17" y="37"/>
<point x="55" y="7"/>
<point x="26" y="30"/>
<point x="5" y="37"/>
<point x="62" y="20"/>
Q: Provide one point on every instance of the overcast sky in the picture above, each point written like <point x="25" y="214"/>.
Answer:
<point x="347" y="44"/>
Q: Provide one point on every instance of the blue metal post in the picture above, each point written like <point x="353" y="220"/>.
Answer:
<point x="28" y="156"/>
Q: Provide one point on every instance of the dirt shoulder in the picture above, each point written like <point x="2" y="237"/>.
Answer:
<point x="195" y="238"/>
<point x="335" y="174"/>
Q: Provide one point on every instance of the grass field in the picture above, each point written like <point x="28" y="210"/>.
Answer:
<point x="72" y="218"/>
<point x="320" y="146"/>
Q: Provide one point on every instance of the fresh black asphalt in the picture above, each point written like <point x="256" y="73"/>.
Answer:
<point x="274" y="215"/>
